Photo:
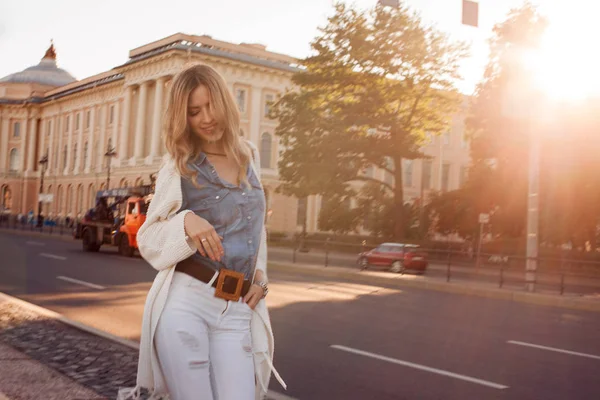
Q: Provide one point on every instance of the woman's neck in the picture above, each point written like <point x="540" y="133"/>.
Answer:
<point x="213" y="147"/>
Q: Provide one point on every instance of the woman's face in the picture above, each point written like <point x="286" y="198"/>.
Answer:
<point x="200" y="118"/>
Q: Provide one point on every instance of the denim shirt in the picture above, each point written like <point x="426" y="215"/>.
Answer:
<point x="236" y="212"/>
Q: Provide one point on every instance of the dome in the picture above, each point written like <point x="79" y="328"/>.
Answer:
<point x="45" y="73"/>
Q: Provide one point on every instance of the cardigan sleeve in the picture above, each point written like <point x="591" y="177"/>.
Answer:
<point x="162" y="240"/>
<point x="261" y="260"/>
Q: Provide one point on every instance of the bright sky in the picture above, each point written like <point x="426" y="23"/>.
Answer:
<point x="95" y="36"/>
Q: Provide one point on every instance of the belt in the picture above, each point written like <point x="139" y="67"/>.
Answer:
<point x="229" y="285"/>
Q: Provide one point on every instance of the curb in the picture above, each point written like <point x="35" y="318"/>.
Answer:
<point x="399" y="282"/>
<point x="67" y="237"/>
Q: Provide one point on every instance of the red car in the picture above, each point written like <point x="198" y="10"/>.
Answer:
<point x="397" y="257"/>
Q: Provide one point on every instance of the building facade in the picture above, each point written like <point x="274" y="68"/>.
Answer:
<point x="70" y="132"/>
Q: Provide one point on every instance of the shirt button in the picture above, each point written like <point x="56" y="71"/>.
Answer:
<point x="249" y="217"/>
<point x="217" y="197"/>
<point x="250" y="241"/>
<point x="243" y="193"/>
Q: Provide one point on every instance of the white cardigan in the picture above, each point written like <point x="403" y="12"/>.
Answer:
<point x="162" y="242"/>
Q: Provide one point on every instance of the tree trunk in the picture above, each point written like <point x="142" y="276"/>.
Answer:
<point x="399" y="228"/>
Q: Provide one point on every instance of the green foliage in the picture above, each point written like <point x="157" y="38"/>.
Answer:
<point x="377" y="81"/>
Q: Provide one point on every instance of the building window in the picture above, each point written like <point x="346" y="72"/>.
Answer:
<point x="388" y="176"/>
<point x="301" y="214"/>
<point x="85" y="154"/>
<point x="88" y="118"/>
<point x="67" y="122"/>
<point x="77" y="118"/>
<point x="462" y="177"/>
<point x="446" y="138"/>
<point x="6" y="197"/>
<point x="408" y="173"/>
<point x="269" y="98"/>
<point x="17" y="129"/>
<point x="445" y="177"/>
<point x="464" y="142"/>
<point x="240" y="98"/>
<point x="265" y="150"/>
<point x="48" y="128"/>
<point x="74" y="154"/>
<point x="426" y="174"/>
<point x="13" y="163"/>
<point x="111" y="116"/>
<point x="65" y="155"/>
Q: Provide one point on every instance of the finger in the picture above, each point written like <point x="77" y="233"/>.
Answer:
<point x="217" y="240"/>
<point x="198" y="245"/>
<point x="211" y="249"/>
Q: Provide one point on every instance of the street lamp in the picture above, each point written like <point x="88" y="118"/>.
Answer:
<point x="110" y="153"/>
<point x="44" y="164"/>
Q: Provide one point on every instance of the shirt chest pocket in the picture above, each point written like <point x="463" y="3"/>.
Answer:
<point x="216" y="206"/>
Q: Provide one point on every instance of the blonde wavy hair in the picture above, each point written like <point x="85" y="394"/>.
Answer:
<point x="180" y="142"/>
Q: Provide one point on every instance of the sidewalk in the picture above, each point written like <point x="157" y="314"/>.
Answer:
<point x="44" y="355"/>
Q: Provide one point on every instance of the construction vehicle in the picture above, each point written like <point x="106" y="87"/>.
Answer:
<point x="116" y="219"/>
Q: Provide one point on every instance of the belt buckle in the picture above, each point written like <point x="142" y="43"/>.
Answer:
<point x="225" y="273"/>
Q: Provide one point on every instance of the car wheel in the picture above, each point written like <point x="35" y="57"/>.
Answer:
<point x="364" y="263"/>
<point x="124" y="248"/>
<point x="88" y="242"/>
<point x="397" y="267"/>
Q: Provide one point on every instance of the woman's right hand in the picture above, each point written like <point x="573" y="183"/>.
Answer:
<point x="206" y="239"/>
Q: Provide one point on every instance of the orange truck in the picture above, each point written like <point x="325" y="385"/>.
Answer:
<point x="115" y="220"/>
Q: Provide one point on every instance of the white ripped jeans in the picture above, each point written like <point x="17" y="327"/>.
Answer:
<point x="204" y="345"/>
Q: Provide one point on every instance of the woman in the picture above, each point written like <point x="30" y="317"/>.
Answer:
<point x="206" y="332"/>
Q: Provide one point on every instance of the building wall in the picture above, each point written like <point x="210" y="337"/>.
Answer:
<point x="123" y="107"/>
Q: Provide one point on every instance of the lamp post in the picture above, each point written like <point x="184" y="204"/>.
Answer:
<point x="110" y="153"/>
<point x="44" y="163"/>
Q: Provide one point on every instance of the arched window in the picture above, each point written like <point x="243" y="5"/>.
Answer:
<point x="91" y="195"/>
<point x="6" y="198"/>
<point x="265" y="150"/>
<point x="69" y="199"/>
<point x="14" y="160"/>
<point x="79" y="199"/>
<point x="58" y="208"/>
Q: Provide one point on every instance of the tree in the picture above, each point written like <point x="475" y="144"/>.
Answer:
<point x="377" y="81"/>
<point x="500" y="145"/>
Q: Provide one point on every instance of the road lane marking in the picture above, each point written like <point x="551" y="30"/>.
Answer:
<point x="53" y="256"/>
<point x="420" y="367"/>
<point x="77" y="281"/>
<point x="537" y="346"/>
<point x="32" y="243"/>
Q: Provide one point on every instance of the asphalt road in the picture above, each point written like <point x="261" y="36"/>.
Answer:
<point x="341" y="340"/>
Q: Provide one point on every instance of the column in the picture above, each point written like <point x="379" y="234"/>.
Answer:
<point x="60" y="136"/>
<point x="102" y="143"/>
<point x="42" y="141"/>
<point x="140" y="123"/>
<point x="69" y="143"/>
<point x="115" y="128"/>
<point x="91" y="140"/>
<point x="31" y="147"/>
<point x="52" y="129"/>
<point x="4" y="133"/>
<point x="255" y="115"/>
<point x="23" y="152"/>
<point x="156" y="120"/>
<point x="79" y="143"/>
<point x="123" y="150"/>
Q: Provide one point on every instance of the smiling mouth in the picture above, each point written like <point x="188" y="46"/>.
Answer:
<point x="209" y="128"/>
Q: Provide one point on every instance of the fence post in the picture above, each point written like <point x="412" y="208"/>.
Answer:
<point x="562" y="283"/>
<point x="327" y="251"/>
<point x="448" y="269"/>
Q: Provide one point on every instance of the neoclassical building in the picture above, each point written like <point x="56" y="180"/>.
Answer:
<point x="64" y="129"/>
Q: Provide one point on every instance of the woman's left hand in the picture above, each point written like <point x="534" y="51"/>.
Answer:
<point x="255" y="293"/>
